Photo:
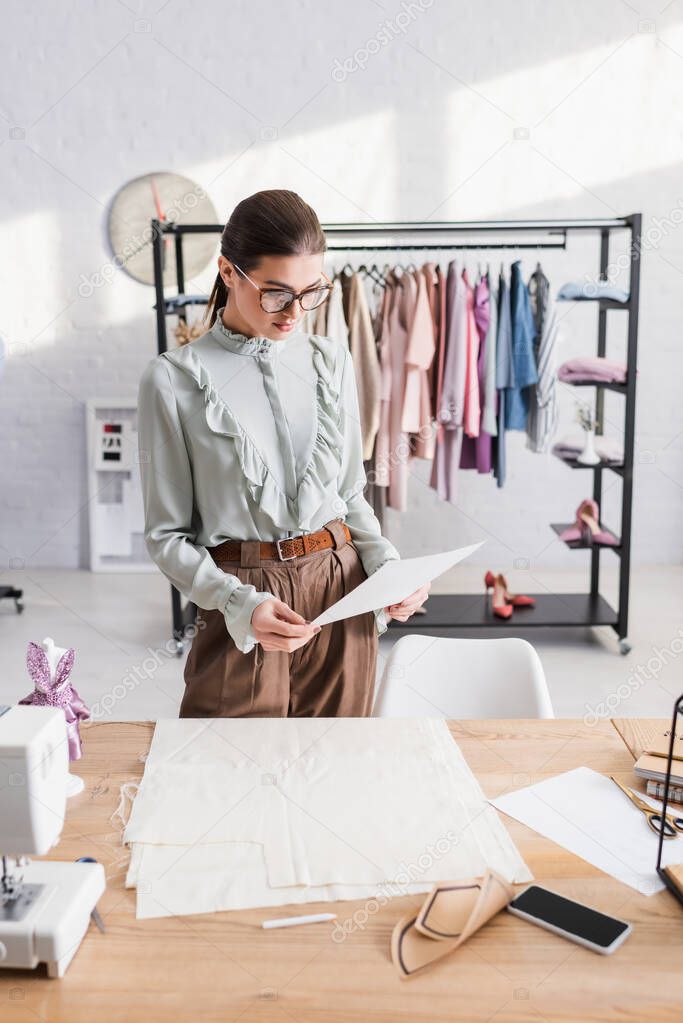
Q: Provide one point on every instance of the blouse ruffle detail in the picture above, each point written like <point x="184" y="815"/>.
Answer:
<point x="323" y="467"/>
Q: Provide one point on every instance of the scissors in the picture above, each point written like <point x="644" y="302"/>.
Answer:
<point x="95" y="915"/>
<point x="669" y="827"/>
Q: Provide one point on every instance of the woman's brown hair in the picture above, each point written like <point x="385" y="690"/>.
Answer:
<point x="274" y="222"/>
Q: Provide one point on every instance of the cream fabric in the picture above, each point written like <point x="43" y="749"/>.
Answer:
<point x="182" y="880"/>
<point x="249" y="439"/>
<point x="320" y="809"/>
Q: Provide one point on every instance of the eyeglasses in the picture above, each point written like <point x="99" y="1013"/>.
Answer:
<point x="276" y="300"/>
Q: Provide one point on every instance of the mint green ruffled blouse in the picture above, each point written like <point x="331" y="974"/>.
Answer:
<point x="248" y="438"/>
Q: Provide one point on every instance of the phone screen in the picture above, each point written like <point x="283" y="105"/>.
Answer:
<point x="570" y="916"/>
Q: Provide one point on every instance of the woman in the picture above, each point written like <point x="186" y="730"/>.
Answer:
<point x="253" y="480"/>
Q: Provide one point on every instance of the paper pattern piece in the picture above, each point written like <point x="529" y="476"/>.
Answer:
<point x="391" y="583"/>
<point x="244" y="812"/>
<point x="585" y="812"/>
<point x="450" y="914"/>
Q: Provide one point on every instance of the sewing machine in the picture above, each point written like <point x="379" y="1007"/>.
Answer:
<point x="45" y="905"/>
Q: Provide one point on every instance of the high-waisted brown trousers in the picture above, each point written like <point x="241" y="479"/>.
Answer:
<point x="332" y="675"/>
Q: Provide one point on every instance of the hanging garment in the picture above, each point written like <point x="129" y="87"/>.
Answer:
<point x="224" y="456"/>
<point x="377" y="494"/>
<point x="472" y="409"/>
<point x="476" y="451"/>
<point x="416" y="415"/>
<point x="440" y="354"/>
<point x="451" y="406"/>
<point x="361" y="338"/>
<point x="523" y="337"/>
<point x="543" y="405"/>
<point x="429" y="271"/>
<point x="400" y="316"/>
<point x="505" y="375"/>
<point x="383" y="441"/>
<point x="489" y="415"/>
<point x="335" y="323"/>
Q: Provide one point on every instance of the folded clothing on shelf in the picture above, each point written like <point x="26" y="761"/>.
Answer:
<point x="609" y="449"/>
<point x="592" y="369"/>
<point x="586" y="291"/>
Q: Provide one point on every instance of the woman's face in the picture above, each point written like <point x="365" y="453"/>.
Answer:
<point x="243" y="312"/>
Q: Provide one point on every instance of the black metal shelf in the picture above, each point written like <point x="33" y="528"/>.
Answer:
<point x="473" y="611"/>
<point x="603" y="303"/>
<point x="464" y="610"/>
<point x="572" y="463"/>
<point x="605" y="385"/>
<point x="559" y="527"/>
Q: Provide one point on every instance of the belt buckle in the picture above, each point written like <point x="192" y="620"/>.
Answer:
<point x="279" y="552"/>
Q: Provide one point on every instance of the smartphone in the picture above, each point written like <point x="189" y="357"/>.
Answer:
<point x="573" y="920"/>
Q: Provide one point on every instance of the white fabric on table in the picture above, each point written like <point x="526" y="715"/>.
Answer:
<point x="239" y="812"/>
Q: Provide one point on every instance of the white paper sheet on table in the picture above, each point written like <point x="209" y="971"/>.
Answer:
<point x="391" y="583"/>
<point x="324" y="809"/>
<point x="588" y="814"/>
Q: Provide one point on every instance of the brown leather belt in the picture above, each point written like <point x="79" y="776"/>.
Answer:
<point x="282" y="550"/>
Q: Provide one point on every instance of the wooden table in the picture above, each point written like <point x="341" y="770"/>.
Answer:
<point x="225" y="967"/>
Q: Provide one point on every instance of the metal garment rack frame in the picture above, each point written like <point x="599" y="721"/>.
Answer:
<point x="452" y="612"/>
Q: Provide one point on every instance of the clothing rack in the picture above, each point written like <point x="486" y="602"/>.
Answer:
<point x="446" y="613"/>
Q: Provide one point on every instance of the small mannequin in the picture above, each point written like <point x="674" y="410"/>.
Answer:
<point x="50" y="667"/>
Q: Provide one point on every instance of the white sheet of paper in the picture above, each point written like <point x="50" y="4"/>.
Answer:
<point x="393" y="582"/>
<point x="585" y="812"/>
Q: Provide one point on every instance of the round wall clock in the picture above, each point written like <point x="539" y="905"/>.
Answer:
<point x="168" y="197"/>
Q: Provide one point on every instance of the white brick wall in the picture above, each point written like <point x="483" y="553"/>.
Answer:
<point x="96" y="93"/>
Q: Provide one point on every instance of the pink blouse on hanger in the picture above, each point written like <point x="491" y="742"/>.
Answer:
<point x="405" y="296"/>
<point x="382" y="460"/>
<point x="452" y="399"/>
<point x="472" y="411"/>
<point x="420" y="345"/>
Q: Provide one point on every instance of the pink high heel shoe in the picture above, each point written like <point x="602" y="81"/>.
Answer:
<point x="587" y="530"/>
<point x="514" y="599"/>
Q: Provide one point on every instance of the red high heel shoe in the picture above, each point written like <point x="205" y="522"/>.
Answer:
<point x="500" y="607"/>
<point x="515" y="599"/>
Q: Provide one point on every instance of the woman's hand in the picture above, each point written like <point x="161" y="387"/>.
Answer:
<point x="277" y="627"/>
<point x="409" y="605"/>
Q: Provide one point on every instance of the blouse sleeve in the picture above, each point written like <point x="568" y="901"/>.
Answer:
<point x="168" y="498"/>
<point x="373" y="548"/>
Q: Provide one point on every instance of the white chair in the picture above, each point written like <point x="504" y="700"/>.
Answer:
<point x="427" y="676"/>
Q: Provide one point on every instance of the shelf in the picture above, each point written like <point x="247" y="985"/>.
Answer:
<point x="604" y="303"/>
<point x="572" y="463"/>
<point x="560" y="526"/>
<point x="172" y="305"/>
<point x="472" y="610"/>
<point x="606" y="385"/>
